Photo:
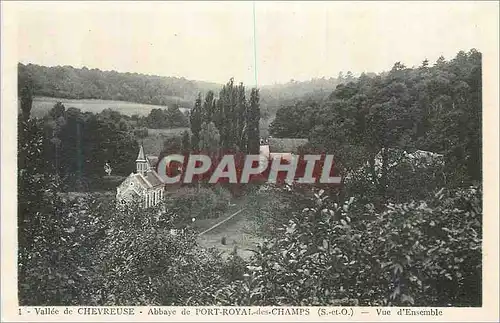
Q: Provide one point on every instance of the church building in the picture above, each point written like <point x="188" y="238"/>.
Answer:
<point x="144" y="187"/>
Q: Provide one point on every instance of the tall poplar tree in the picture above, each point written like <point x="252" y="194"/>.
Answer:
<point x="25" y="86"/>
<point x="196" y="122"/>
<point x="186" y="142"/>
<point x="209" y="107"/>
<point x="241" y="119"/>
<point x="253" y="119"/>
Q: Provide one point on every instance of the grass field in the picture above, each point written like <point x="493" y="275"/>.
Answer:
<point x="42" y="105"/>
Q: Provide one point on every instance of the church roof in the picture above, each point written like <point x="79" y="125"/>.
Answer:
<point x="153" y="178"/>
<point x="143" y="181"/>
<point x="149" y="180"/>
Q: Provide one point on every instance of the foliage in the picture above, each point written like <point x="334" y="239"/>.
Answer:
<point x="142" y="263"/>
<point x="171" y="145"/>
<point x="141" y="133"/>
<point x="72" y="83"/>
<point x="186" y="141"/>
<point x="270" y="208"/>
<point x="434" y="108"/>
<point x="85" y="252"/>
<point x="165" y="118"/>
<point x="209" y="138"/>
<point x="195" y="122"/>
<point x="235" y="118"/>
<point x="294" y="122"/>
<point x="75" y="146"/>
<point x="274" y="97"/>
<point x="234" y="268"/>
<point x="25" y="89"/>
<point x="57" y="246"/>
<point x="161" y="141"/>
<point x="253" y="118"/>
<point x="409" y="175"/>
<point x="410" y="254"/>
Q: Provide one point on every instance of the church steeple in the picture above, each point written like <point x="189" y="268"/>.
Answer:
<point x="141" y="162"/>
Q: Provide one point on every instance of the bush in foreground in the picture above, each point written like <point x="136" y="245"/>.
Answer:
<point x="425" y="253"/>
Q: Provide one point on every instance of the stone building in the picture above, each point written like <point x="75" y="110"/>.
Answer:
<point x="144" y="187"/>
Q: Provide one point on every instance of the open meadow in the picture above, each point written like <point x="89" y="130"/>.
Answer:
<point x="42" y="105"/>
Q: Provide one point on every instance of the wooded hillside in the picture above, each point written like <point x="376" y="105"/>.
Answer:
<point x="73" y="83"/>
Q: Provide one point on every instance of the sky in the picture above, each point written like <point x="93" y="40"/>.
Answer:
<point x="256" y="43"/>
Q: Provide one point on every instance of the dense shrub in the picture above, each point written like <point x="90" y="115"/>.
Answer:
<point x="142" y="263"/>
<point x="82" y="252"/>
<point x="424" y="253"/>
<point x="234" y="267"/>
<point x="270" y="207"/>
<point x="409" y="176"/>
<point x="223" y="198"/>
<point x="57" y="249"/>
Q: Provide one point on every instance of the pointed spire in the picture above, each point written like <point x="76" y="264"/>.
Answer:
<point x="141" y="156"/>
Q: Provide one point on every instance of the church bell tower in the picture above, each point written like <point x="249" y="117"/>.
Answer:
<point x="142" y="165"/>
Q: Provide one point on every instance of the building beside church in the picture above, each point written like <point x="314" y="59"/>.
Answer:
<point x="283" y="148"/>
<point x="144" y="187"/>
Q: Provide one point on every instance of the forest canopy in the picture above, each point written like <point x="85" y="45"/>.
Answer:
<point x="435" y="108"/>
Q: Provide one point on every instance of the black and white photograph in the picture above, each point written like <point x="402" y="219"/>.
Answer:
<point x="344" y="142"/>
